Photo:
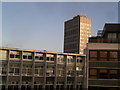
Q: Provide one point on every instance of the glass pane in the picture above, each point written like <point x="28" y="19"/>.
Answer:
<point x="103" y="71"/>
<point x="113" y="54"/>
<point x="113" y="71"/>
<point x="93" y="72"/>
<point x="93" y="53"/>
<point x="112" y="35"/>
<point x="103" y="54"/>
<point x="93" y="77"/>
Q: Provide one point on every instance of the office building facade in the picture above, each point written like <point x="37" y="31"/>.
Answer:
<point x="76" y="34"/>
<point x="103" y="54"/>
<point x="41" y="70"/>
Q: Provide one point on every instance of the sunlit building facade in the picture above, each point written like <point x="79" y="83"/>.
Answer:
<point x="103" y="55"/>
<point x="41" y="70"/>
<point x="76" y="34"/>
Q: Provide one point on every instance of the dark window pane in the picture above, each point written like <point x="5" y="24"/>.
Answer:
<point x="93" y="53"/>
<point x="24" y="57"/>
<point x="52" y="59"/>
<point x="103" y="74"/>
<point x="36" y="57"/>
<point x="81" y="61"/>
<point x="29" y="57"/>
<point x="41" y="58"/>
<point x="103" y="54"/>
<point x="93" y="72"/>
<point x="16" y="70"/>
<point x="92" y="77"/>
<point x="113" y="54"/>
<point x="47" y="58"/>
<point x="17" y="56"/>
<point x="102" y="71"/>
<point x="11" y="55"/>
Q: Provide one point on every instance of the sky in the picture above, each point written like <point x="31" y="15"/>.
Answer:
<point x="40" y="25"/>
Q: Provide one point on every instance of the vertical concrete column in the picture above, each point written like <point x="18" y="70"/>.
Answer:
<point x="33" y="69"/>
<point x="119" y="43"/>
<point x="8" y="56"/>
<point x="85" y="71"/>
<point x="55" y="62"/>
<point x="65" y="82"/>
<point x="44" y="77"/>
<point x="75" y="73"/>
<point x="21" y="66"/>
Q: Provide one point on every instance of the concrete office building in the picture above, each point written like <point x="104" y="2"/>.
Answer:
<point x="104" y="59"/>
<point x="26" y="69"/>
<point x="76" y="34"/>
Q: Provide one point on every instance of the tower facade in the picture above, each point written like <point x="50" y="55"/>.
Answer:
<point x="76" y="34"/>
<point x="103" y="56"/>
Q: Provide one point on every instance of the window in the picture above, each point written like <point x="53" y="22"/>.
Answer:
<point x="112" y="35"/>
<point x="29" y="57"/>
<point x="92" y="77"/>
<point x="11" y="55"/>
<point x="60" y="59"/>
<point x="11" y="70"/>
<point x="16" y="70"/>
<point x="113" y="54"/>
<point x="41" y="58"/>
<point x="52" y="58"/>
<point x="41" y="71"/>
<point x="48" y="58"/>
<point x="103" y="71"/>
<point x="36" y="57"/>
<point x="103" y="54"/>
<point x="29" y="71"/>
<point x="36" y="71"/>
<point x="17" y="56"/>
<point x="23" y="71"/>
<point x="113" y="74"/>
<point x="93" y="53"/>
<point x="24" y="57"/>
<point x="81" y="61"/>
<point x="93" y="72"/>
<point x="113" y="71"/>
<point x="103" y="74"/>
<point x="4" y="70"/>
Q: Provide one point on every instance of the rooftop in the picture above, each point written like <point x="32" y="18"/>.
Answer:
<point x="18" y="49"/>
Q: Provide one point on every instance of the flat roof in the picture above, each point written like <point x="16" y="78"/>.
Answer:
<point x="30" y="50"/>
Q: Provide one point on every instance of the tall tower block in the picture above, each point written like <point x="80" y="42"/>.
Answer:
<point x="76" y="34"/>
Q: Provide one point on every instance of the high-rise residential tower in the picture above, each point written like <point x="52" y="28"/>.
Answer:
<point x="76" y="34"/>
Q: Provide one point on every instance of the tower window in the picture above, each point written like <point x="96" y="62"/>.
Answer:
<point x="112" y="35"/>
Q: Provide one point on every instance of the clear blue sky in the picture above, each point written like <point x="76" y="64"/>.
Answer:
<point x="40" y="25"/>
